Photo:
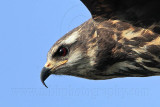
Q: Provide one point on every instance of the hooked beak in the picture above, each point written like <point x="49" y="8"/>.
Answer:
<point x="45" y="73"/>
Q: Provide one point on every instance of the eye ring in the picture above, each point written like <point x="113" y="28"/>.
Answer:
<point x="62" y="51"/>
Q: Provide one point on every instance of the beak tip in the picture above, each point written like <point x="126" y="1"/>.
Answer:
<point x="45" y="73"/>
<point x="44" y="84"/>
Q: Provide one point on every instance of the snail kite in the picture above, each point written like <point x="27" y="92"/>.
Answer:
<point x="122" y="39"/>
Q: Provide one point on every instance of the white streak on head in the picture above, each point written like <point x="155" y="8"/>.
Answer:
<point x="71" y="38"/>
<point x="92" y="53"/>
<point x="75" y="56"/>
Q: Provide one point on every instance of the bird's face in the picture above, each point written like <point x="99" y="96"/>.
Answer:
<point x="68" y="56"/>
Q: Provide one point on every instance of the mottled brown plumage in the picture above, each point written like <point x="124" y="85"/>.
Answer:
<point x="122" y="39"/>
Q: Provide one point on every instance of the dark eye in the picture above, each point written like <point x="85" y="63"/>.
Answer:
<point x="62" y="51"/>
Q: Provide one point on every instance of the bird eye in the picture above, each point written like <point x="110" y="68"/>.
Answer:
<point x="62" y="51"/>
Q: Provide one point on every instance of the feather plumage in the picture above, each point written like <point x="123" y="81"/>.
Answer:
<point x="122" y="39"/>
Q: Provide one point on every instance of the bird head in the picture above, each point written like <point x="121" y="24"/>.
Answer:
<point x="72" y="54"/>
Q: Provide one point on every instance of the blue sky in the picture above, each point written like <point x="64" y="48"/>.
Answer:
<point x="28" y="28"/>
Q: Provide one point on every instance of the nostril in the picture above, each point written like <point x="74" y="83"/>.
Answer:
<point x="48" y="65"/>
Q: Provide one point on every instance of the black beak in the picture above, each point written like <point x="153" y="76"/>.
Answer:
<point x="45" y="73"/>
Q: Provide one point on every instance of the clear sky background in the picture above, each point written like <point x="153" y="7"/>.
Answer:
<point x="28" y="28"/>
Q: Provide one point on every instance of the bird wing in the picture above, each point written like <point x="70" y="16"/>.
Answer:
<point x="102" y="8"/>
<point x="131" y="9"/>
